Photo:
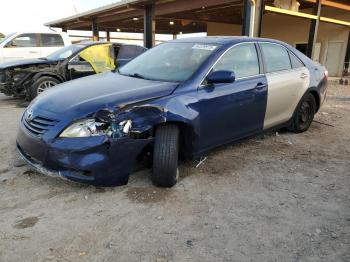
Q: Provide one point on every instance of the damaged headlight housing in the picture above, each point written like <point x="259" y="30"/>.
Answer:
<point x="92" y="127"/>
<point x="18" y="76"/>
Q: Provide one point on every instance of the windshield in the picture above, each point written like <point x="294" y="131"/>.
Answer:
<point x="65" y="52"/>
<point x="6" y="37"/>
<point x="173" y="62"/>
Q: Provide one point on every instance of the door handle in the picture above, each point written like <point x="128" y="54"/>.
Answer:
<point x="260" y="86"/>
<point x="303" y="75"/>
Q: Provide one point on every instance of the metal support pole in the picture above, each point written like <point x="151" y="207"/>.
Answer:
<point x="94" y="28"/>
<point x="259" y="11"/>
<point x="313" y="29"/>
<point x="247" y="15"/>
<point x="108" y="36"/>
<point x="149" y="26"/>
<point x="347" y="56"/>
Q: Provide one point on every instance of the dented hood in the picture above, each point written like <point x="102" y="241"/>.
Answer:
<point x="87" y="95"/>
<point x="25" y="62"/>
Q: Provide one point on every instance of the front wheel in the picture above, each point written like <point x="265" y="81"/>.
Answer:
<point x="40" y="85"/>
<point x="166" y="155"/>
<point x="304" y="115"/>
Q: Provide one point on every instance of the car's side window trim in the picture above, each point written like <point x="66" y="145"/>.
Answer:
<point x="292" y="54"/>
<point x="261" y="59"/>
<point x="73" y="56"/>
<point x="202" y="84"/>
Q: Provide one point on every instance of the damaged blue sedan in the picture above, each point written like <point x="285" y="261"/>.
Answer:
<point x="178" y="99"/>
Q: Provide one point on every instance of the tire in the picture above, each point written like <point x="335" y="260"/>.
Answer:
<point x="304" y="114"/>
<point x="166" y="155"/>
<point x="40" y="85"/>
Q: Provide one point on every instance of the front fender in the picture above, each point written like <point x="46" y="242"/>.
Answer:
<point x="45" y="73"/>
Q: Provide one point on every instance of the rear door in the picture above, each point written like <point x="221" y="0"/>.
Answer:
<point x="229" y="111"/>
<point x="22" y="46"/>
<point x="287" y="78"/>
<point x="50" y="43"/>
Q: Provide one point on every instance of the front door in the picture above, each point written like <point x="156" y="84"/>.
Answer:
<point x="92" y="60"/>
<point x="229" y="111"/>
<point x="79" y="67"/>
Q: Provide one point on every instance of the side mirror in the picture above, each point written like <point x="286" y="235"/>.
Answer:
<point x="221" y="76"/>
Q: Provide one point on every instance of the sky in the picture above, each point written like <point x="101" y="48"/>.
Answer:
<point x="24" y="15"/>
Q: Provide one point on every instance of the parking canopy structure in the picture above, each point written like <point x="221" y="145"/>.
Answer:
<point x="313" y="26"/>
<point x="150" y="17"/>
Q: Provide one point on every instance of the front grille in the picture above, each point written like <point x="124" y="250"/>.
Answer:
<point x="39" y="124"/>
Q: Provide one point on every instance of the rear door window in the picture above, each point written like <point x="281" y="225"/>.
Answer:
<point x="24" y="40"/>
<point x="51" y="40"/>
<point x="130" y="51"/>
<point x="276" y="57"/>
<point x="242" y="60"/>
<point x="296" y="63"/>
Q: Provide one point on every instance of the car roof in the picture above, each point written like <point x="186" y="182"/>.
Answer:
<point x="88" y="43"/>
<point x="223" y="40"/>
<point x="36" y="32"/>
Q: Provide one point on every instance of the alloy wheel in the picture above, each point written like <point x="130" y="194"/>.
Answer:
<point x="45" y="85"/>
<point x="304" y="114"/>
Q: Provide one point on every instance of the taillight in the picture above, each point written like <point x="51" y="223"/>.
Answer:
<point x="326" y="73"/>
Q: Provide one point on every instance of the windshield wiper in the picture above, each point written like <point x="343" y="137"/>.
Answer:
<point x="137" y="75"/>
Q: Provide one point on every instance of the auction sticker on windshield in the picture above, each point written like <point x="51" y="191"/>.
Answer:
<point x="204" y="47"/>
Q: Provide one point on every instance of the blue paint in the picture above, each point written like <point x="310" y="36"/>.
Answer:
<point x="212" y="115"/>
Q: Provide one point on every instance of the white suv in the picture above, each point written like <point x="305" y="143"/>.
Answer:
<point x="22" y="45"/>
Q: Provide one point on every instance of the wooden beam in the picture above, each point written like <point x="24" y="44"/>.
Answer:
<point x="304" y="15"/>
<point x="122" y="16"/>
<point x="185" y="5"/>
<point x="289" y="12"/>
<point x="332" y="4"/>
<point x="334" y="21"/>
<point x="233" y="19"/>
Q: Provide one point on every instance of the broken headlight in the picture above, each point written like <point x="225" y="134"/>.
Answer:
<point x="84" y="128"/>
<point x="93" y="127"/>
<point x="19" y="76"/>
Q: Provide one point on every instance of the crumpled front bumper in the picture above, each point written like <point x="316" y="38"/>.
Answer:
<point x="7" y="89"/>
<point x="99" y="160"/>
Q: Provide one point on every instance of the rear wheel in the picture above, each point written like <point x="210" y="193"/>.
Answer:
<point x="304" y="114"/>
<point x="42" y="84"/>
<point x="166" y="155"/>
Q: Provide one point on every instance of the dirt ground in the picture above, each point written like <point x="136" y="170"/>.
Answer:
<point x="280" y="197"/>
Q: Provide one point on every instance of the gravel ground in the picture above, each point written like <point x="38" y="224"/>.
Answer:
<point x="280" y="197"/>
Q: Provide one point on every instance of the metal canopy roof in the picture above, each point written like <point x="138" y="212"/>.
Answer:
<point x="187" y="16"/>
